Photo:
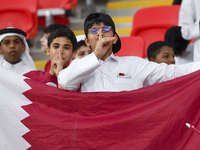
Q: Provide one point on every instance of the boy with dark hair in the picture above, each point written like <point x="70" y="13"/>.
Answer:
<point x="61" y="45"/>
<point x="102" y="71"/>
<point x="14" y="51"/>
<point x="183" y="49"/>
<point x="43" y="41"/>
<point x="82" y="49"/>
<point x="161" y="52"/>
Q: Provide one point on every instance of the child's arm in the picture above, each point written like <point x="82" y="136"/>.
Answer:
<point x="71" y="77"/>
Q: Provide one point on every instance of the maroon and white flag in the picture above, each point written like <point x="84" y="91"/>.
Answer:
<point x="36" y="116"/>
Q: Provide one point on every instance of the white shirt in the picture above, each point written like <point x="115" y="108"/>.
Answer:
<point x="18" y="68"/>
<point x="187" y="56"/>
<point x="189" y="16"/>
<point x="118" y="73"/>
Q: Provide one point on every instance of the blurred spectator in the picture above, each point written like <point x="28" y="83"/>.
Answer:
<point x="161" y="52"/>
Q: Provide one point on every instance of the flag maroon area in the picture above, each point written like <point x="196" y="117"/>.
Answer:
<point x="151" y="118"/>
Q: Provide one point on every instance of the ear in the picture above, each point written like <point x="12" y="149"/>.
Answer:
<point x="48" y="51"/>
<point x="73" y="55"/>
<point x="152" y="59"/>
<point x="87" y="42"/>
<point x="23" y="47"/>
<point x="116" y="38"/>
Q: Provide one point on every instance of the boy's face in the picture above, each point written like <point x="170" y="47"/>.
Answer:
<point x="166" y="55"/>
<point x="43" y="42"/>
<point x="63" y="45"/>
<point x="92" y="38"/>
<point x="82" y="52"/>
<point x="12" y="48"/>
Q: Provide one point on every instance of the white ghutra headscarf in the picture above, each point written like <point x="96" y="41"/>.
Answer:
<point x="25" y="57"/>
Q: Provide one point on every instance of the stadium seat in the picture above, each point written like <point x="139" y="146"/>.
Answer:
<point x="60" y="10"/>
<point x="131" y="46"/>
<point x="20" y="14"/>
<point x="151" y="23"/>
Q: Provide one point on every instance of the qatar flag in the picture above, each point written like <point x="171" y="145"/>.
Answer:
<point x="36" y="116"/>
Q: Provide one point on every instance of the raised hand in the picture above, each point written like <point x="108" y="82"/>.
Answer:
<point x="57" y="63"/>
<point x="103" y="45"/>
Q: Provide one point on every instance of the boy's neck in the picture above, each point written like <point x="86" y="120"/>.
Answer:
<point x="13" y="63"/>
<point x="107" y="54"/>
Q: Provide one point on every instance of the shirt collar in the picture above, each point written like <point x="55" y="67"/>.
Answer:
<point x="111" y="57"/>
<point x="12" y="67"/>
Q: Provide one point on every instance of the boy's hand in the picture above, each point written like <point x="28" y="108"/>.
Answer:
<point x="102" y="45"/>
<point x="57" y="64"/>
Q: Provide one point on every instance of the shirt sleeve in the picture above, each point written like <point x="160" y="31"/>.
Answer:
<point x="187" y="20"/>
<point x="71" y="77"/>
<point x="155" y="73"/>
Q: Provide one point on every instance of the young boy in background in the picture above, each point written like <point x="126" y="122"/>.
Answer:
<point x="161" y="52"/>
<point x="82" y="49"/>
<point x="14" y="51"/>
<point x="43" y="41"/>
<point x="61" y="45"/>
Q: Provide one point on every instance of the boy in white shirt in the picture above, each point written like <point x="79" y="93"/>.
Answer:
<point x="102" y="71"/>
<point x="14" y="51"/>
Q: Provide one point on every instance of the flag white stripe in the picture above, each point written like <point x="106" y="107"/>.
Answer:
<point x="11" y="113"/>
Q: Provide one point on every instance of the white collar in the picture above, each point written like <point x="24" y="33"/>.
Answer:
<point x="12" y="67"/>
<point x="111" y="57"/>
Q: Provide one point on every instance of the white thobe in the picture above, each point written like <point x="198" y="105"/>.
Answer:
<point x="189" y="17"/>
<point x="18" y="68"/>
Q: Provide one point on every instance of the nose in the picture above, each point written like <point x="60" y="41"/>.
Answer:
<point x="99" y="30"/>
<point x="12" y="44"/>
<point x="172" y="60"/>
<point x="61" y="50"/>
<point x="41" y="39"/>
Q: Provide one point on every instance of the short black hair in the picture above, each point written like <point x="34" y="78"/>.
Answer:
<point x="80" y="43"/>
<point x="53" y="27"/>
<point x="63" y="32"/>
<point x="154" y="49"/>
<point x="174" y="37"/>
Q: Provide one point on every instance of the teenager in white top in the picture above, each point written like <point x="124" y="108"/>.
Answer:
<point x="102" y="71"/>
<point x="14" y="51"/>
<point x="189" y="20"/>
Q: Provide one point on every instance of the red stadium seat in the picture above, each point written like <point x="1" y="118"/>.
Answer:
<point x="151" y="23"/>
<point x="67" y="5"/>
<point x="131" y="46"/>
<point x="20" y="14"/>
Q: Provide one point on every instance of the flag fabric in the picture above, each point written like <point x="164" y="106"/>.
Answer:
<point x="36" y="116"/>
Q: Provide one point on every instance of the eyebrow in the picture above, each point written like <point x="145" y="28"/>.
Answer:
<point x="64" y="44"/>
